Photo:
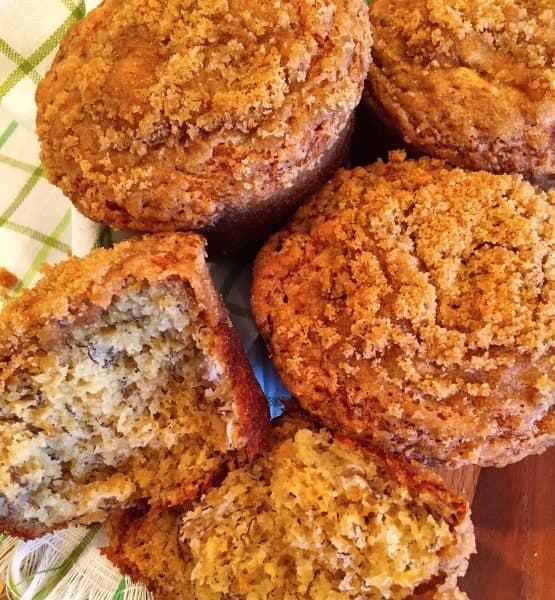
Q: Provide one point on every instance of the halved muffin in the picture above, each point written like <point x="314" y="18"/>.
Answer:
<point x="315" y="518"/>
<point x="121" y="380"/>
<point x="213" y="116"/>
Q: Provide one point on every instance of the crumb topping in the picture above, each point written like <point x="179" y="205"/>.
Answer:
<point x="443" y="264"/>
<point x="8" y="282"/>
<point x="524" y="30"/>
<point x="469" y="82"/>
<point x="429" y="287"/>
<point x="224" y="93"/>
<point x="7" y="279"/>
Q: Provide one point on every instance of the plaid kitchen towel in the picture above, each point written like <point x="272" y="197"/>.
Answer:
<point x="37" y="225"/>
<point x="36" y="221"/>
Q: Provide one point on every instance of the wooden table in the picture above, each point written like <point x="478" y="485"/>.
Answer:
<point x="514" y="517"/>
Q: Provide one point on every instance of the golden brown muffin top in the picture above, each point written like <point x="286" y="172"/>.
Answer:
<point x="463" y="260"/>
<point x="523" y="30"/>
<point x="430" y="288"/>
<point x="219" y="101"/>
<point x="470" y="81"/>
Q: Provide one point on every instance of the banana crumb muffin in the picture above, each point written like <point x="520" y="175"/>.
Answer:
<point x="411" y="305"/>
<point x="121" y="380"/>
<point x="468" y="81"/>
<point x="216" y="116"/>
<point x="315" y="518"/>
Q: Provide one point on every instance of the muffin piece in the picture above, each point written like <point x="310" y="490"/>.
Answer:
<point x="411" y="304"/>
<point x="316" y="518"/>
<point x="121" y="380"/>
<point x="215" y="116"/>
<point x="468" y="81"/>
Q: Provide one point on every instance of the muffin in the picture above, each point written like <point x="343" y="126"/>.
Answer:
<point x="212" y="116"/>
<point x="121" y="381"/>
<point x="316" y="518"/>
<point x="411" y="305"/>
<point x="468" y="81"/>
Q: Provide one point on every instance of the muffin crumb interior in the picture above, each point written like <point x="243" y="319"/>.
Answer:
<point x="316" y="520"/>
<point x="127" y="407"/>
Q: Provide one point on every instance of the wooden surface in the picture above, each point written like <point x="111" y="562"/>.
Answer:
<point x="463" y="481"/>
<point x="514" y="518"/>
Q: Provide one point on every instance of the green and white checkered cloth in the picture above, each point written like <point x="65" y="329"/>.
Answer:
<point x="38" y="224"/>
<point x="36" y="221"/>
